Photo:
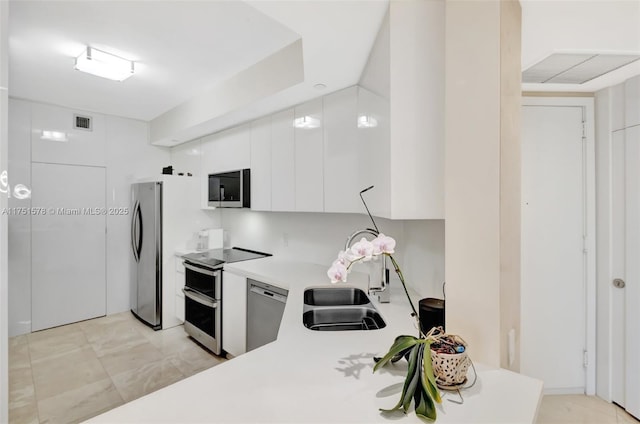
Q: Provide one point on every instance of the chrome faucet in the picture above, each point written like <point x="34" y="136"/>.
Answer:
<point x="381" y="288"/>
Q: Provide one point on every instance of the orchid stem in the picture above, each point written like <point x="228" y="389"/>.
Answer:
<point x="404" y="286"/>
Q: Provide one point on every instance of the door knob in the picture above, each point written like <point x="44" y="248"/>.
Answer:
<point x="619" y="283"/>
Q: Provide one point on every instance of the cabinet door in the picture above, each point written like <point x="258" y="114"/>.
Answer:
<point x="374" y="152"/>
<point x="234" y="313"/>
<point x="617" y="107"/>
<point x="261" y="164"/>
<point x="228" y="150"/>
<point x="179" y="298"/>
<point x="341" y="165"/>
<point x="282" y="162"/>
<point x="632" y="102"/>
<point x="308" y="153"/>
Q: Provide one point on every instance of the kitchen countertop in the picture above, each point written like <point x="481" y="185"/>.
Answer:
<point x="311" y="376"/>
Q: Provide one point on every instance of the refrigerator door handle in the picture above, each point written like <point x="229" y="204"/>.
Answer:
<point x="134" y="246"/>
<point x="140" y="228"/>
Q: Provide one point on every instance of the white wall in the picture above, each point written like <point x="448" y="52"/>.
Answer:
<point x="479" y="202"/>
<point x="20" y="225"/>
<point x="318" y="237"/>
<point x="4" y="76"/>
<point x="127" y="156"/>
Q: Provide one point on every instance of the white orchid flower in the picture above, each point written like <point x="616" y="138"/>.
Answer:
<point x="337" y="272"/>
<point x="362" y="250"/>
<point x="344" y="258"/>
<point x="383" y="245"/>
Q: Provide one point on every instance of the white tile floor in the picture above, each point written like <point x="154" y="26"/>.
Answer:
<point x="580" y="409"/>
<point x="70" y="373"/>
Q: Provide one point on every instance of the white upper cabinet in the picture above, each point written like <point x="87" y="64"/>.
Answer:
<point x="374" y="152"/>
<point x="343" y="179"/>
<point x="632" y="102"/>
<point x="283" y="174"/>
<point x="617" y="107"/>
<point x="309" y="172"/>
<point x="228" y="150"/>
<point x="55" y="139"/>
<point x="261" y="164"/>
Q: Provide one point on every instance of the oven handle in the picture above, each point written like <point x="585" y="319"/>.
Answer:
<point x="200" y="269"/>
<point x="203" y="300"/>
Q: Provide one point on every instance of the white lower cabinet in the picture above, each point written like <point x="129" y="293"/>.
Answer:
<point x="234" y="313"/>
<point x="179" y="287"/>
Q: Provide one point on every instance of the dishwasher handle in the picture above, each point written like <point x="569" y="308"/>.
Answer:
<point x="267" y="293"/>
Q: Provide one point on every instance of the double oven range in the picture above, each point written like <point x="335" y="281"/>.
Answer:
<point x="203" y="293"/>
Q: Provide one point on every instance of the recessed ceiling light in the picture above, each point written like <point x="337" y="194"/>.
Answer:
<point x="103" y="64"/>
<point x="320" y="86"/>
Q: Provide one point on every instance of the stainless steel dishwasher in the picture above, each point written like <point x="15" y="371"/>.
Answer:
<point x="265" y="306"/>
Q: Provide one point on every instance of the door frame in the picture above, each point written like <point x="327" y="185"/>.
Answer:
<point x="589" y="219"/>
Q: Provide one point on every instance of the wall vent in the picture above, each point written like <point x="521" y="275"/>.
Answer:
<point x="82" y="122"/>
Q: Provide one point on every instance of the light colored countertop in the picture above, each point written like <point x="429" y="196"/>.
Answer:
<point x="322" y="377"/>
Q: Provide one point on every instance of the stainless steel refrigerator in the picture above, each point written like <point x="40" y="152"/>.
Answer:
<point x="146" y="250"/>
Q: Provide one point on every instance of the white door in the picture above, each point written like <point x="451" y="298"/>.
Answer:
<point x="618" y="266"/>
<point x="68" y="244"/>
<point x="632" y="271"/>
<point x="554" y="266"/>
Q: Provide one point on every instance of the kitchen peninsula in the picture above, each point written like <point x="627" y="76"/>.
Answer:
<point x="311" y="376"/>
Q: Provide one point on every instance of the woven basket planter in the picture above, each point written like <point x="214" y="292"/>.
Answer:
<point x="450" y="369"/>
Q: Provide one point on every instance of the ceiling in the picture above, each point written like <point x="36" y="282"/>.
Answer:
<point x="580" y="27"/>
<point x="181" y="48"/>
<point x="184" y="48"/>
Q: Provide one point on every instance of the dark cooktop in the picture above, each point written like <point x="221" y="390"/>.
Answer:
<point x="218" y="257"/>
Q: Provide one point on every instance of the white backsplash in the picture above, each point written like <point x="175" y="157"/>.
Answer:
<point x="317" y="238"/>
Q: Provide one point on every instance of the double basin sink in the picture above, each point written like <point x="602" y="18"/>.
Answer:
<point x="339" y="309"/>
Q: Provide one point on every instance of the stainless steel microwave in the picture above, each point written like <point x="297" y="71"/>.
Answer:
<point x="230" y="189"/>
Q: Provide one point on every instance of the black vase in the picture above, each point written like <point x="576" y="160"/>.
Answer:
<point x="431" y="314"/>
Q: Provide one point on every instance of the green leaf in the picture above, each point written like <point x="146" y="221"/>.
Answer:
<point x="399" y="356"/>
<point x="409" y="379"/>
<point x="413" y="376"/>
<point x="401" y="343"/>
<point x="425" y="408"/>
<point x="428" y="379"/>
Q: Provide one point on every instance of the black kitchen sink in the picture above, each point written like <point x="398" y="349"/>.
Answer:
<point x="343" y="319"/>
<point x="335" y="296"/>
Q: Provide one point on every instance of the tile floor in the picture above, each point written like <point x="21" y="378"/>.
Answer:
<point x="71" y="373"/>
<point x="580" y="409"/>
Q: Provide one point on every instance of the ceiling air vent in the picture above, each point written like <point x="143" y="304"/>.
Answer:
<point x="82" y="122"/>
<point x="574" y="68"/>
